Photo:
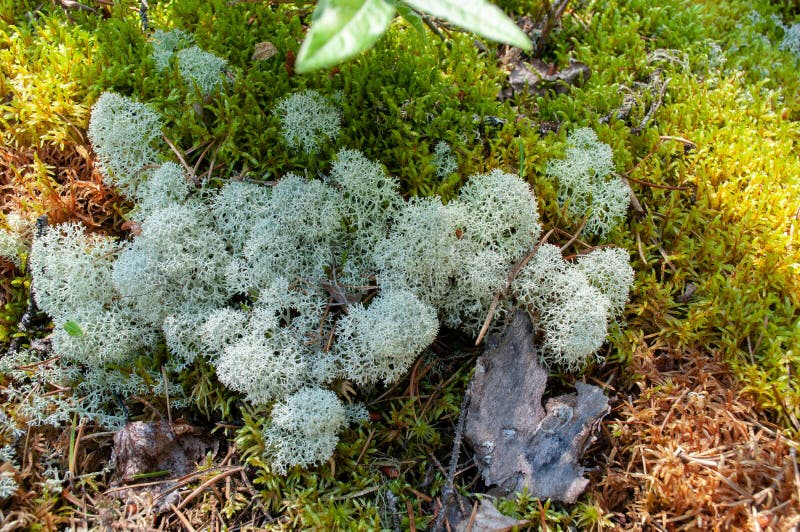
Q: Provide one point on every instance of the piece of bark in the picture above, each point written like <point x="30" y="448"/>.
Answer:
<point x="557" y="447"/>
<point x="506" y="407"/>
<point x="517" y="442"/>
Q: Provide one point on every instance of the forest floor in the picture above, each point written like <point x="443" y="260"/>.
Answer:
<point x="700" y="102"/>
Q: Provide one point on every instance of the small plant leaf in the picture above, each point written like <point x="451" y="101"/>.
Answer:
<point x="341" y="29"/>
<point x="73" y="329"/>
<point x="410" y="16"/>
<point x="477" y="16"/>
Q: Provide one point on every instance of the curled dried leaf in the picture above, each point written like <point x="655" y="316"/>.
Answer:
<point x="263" y="51"/>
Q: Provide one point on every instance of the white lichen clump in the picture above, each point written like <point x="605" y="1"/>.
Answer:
<point x="308" y="119"/>
<point x="15" y="240"/>
<point x="296" y="234"/>
<point x="574" y="303"/>
<point x="444" y="160"/>
<point x="236" y="208"/>
<point x="202" y="69"/>
<point x="501" y="214"/>
<point x="71" y="268"/>
<point x="586" y="183"/>
<point x="421" y="253"/>
<point x="369" y="199"/>
<point x="166" y="185"/>
<point x="289" y="289"/>
<point x="177" y="262"/>
<point x="165" y="44"/>
<point x="791" y="39"/>
<point x="381" y="342"/>
<point x="8" y="485"/>
<point x="574" y="321"/>
<point x="123" y="133"/>
<point x="72" y="274"/>
<point x="305" y="428"/>
<point x="609" y="270"/>
<point x="499" y="225"/>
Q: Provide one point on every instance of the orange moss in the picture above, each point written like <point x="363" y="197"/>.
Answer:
<point x="692" y="452"/>
<point x="64" y="184"/>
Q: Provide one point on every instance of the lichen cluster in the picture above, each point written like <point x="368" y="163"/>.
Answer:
<point x="287" y="289"/>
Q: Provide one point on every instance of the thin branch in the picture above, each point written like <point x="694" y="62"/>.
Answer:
<point x="650" y="112"/>
<point x="208" y="483"/>
<point x="552" y="15"/>
<point x="200" y="159"/>
<point x="689" y="145"/>
<point x="39" y="363"/>
<point x="576" y="235"/>
<point x="143" y="14"/>
<point x="148" y="405"/>
<point x="434" y="28"/>
<point x="654" y="185"/>
<point x="166" y="393"/>
<point x="182" y="518"/>
<point x="511" y="276"/>
<point x="178" y="154"/>
<point x="447" y="491"/>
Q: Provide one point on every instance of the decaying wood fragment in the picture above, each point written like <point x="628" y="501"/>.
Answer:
<point x="517" y="442"/>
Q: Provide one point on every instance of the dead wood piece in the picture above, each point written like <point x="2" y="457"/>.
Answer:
<point x="538" y="78"/>
<point x="517" y="442"/>
<point x="562" y="437"/>
<point x="497" y="425"/>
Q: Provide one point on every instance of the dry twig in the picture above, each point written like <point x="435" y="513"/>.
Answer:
<point x="447" y="491"/>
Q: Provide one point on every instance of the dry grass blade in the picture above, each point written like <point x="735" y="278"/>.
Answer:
<point x="207" y="484"/>
<point x="182" y="518"/>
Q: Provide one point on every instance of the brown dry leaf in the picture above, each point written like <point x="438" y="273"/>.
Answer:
<point x="145" y="447"/>
<point x="487" y="518"/>
<point x="151" y="447"/>
<point x="263" y="51"/>
<point x="537" y="77"/>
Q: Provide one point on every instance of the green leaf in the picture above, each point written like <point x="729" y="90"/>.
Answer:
<point x="478" y="16"/>
<point x="341" y="29"/>
<point x="414" y="20"/>
<point x="73" y="329"/>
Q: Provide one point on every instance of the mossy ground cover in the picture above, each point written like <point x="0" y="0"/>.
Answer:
<point x="713" y="238"/>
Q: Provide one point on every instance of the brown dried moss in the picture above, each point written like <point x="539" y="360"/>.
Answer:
<point x="62" y="183"/>
<point x="690" y="451"/>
